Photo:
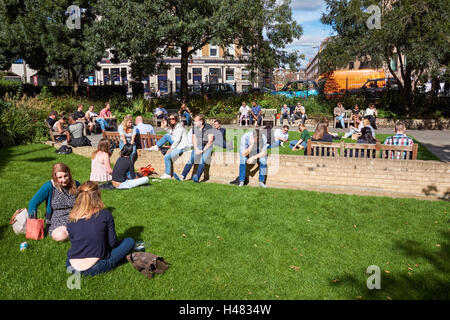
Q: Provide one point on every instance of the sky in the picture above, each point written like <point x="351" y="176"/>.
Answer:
<point x="308" y="13"/>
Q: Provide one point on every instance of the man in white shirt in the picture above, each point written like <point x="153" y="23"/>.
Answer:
<point x="142" y="128"/>
<point x="253" y="148"/>
<point x="281" y="136"/>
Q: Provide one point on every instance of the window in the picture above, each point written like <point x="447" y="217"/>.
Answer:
<point x="106" y="77"/>
<point x="123" y="74"/>
<point x="214" y="75"/>
<point x="178" y="79"/>
<point x="394" y="64"/>
<point x="115" y="75"/>
<point x="245" y="74"/>
<point x="213" y="51"/>
<point x="229" y="75"/>
<point x="197" y="75"/>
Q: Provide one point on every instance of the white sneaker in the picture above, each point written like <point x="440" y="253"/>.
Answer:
<point x="165" y="176"/>
<point x="153" y="148"/>
<point x="262" y="185"/>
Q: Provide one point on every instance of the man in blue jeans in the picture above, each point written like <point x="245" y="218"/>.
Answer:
<point x="202" y="141"/>
<point x="256" y="114"/>
<point x="339" y="113"/>
<point x="253" y="148"/>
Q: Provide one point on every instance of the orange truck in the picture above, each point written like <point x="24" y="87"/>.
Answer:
<point x="340" y="82"/>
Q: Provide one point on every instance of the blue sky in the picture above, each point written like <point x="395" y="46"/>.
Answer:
<point x="308" y="13"/>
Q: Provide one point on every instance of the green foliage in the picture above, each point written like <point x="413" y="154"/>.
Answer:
<point x="19" y="124"/>
<point x="8" y="87"/>
<point x="415" y="29"/>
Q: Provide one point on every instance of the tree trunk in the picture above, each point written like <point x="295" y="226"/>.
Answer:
<point x="184" y="73"/>
<point x="74" y="81"/>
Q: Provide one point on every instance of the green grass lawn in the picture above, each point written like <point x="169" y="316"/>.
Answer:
<point x="225" y="242"/>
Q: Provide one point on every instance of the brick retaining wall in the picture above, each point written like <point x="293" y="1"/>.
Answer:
<point x="363" y="176"/>
<point x="392" y="178"/>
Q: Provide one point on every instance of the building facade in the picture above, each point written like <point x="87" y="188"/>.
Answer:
<point x="211" y="64"/>
<point x="281" y="76"/>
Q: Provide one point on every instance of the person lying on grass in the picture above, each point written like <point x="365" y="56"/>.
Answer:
<point x="124" y="168"/>
<point x="59" y="193"/>
<point x="94" y="245"/>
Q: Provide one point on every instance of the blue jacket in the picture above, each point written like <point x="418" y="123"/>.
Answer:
<point x="43" y="194"/>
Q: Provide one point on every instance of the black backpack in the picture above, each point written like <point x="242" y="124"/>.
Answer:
<point x="64" y="150"/>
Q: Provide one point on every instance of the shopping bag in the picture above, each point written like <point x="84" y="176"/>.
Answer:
<point x="19" y="221"/>
<point x="35" y="228"/>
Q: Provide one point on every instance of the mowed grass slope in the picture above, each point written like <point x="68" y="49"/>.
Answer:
<point x="225" y="242"/>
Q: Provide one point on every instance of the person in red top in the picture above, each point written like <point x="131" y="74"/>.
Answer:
<point x="106" y="112"/>
<point x="105" y="117"/>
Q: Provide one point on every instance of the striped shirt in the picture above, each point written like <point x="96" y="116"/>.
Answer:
<point x="399" y="140"/>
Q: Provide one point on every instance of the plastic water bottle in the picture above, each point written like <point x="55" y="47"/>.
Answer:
<point x="139" y="246"/>
<point x="23" y="246"/>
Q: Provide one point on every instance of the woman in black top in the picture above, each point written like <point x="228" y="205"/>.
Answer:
<point x="94" y="245"/>
<point x="124" y="166"/>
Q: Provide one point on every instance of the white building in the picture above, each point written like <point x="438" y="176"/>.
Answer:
<point x="208" y="65"/>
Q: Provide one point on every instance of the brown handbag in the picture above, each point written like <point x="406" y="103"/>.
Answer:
<point x="148" y="263"/>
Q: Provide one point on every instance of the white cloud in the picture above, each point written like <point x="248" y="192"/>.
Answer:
<point x="307" y="5"/>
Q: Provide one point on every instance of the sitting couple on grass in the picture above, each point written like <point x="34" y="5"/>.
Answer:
<point x="202" y="141"/>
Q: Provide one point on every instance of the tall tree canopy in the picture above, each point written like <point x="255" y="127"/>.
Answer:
<point x="37" y="30"/>
<point x="145" y="30"/>
<point x="414" y="32"/>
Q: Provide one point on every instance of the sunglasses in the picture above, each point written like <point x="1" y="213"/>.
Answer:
<point x="171" y="118"/>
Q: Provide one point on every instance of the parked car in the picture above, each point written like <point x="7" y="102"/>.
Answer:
<point x="212" y="90"/>
<point x="257" y="90"/>
<point x="374" y="88"/>
<point x="299" y="88"/>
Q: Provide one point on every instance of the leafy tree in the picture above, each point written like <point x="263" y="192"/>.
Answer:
<point x="150" y="29"/>
<point x="414" y="32"/>
<point x="37" y="31"/>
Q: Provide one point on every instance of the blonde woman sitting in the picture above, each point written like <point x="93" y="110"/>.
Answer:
<point x="127" y="132"/>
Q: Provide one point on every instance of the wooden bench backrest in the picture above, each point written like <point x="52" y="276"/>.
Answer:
<point x="267" y="113"/>
<point x="148" y="140"/>
<point x="361" y="150"/>
<point x="112" y="136"/>
<point x="142" y="140"/>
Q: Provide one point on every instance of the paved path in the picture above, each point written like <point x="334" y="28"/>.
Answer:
<point x="437" y="141"/>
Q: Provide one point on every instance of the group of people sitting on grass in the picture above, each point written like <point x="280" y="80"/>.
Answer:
<point x="77" y="212"/>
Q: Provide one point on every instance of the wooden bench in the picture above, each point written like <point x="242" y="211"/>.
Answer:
<point x="269" y="116"/>
<point x="143" y="141"/>
<point x="52" y="133"/>
<point x="361" y="150"/>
